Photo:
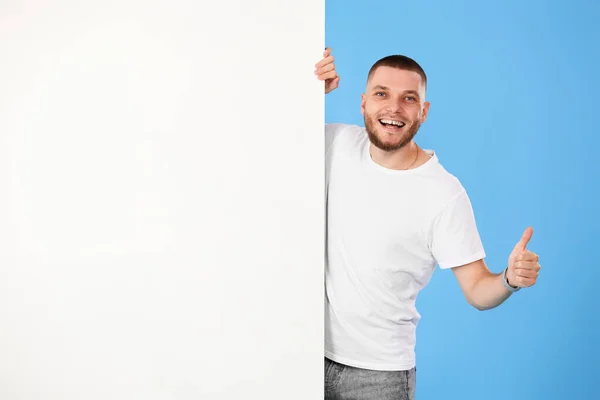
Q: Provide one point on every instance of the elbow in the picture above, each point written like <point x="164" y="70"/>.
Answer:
<point x="479" y="306"/>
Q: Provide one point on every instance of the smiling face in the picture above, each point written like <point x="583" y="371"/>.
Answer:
<point x="394" y="107"/>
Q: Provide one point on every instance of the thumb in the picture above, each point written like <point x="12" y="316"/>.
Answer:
<point x="522" y="245"/>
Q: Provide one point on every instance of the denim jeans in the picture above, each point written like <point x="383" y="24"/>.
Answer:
<point x="348" y="383"/>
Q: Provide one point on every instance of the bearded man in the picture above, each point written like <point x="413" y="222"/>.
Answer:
<point x="394" y="214"/>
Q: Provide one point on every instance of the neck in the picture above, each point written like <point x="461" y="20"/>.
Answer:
<point x="401" y="159"/>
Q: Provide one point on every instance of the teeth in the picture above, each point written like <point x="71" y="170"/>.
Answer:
<point x="392" y="122"/>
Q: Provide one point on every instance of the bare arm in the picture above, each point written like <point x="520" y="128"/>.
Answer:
<point x="484" y="290"/>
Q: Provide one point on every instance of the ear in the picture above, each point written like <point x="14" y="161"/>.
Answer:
<point x="425" y="111"/>
<point x="363" y="99"/>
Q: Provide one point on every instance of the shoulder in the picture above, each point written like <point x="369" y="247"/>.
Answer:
<point x="334" y="128"/>
<point x="443" y="183"/>
<point x="440" y="187"/>
<point x="341" y="132"/>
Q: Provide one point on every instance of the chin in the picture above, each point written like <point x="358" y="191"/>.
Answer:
<point x="380" y="141"/>
<point x="389" y="141"/>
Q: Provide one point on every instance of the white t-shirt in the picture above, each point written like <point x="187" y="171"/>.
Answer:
<point x="386" y="232"/>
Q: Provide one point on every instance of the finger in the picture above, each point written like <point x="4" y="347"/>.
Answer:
<point x="527" y="265"/>
<point x="324" y="61"/>
<point x="327" y="51"/>
<point x="522" y="245"/>
<point x="524" y="282"/>
<point x="328" y="75"/>
<point x="325" y="68"/>
<point x="528" y="256"/>
<point x="526" y="273"/>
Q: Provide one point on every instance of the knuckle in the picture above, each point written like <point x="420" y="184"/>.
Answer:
<point x="524" y="280"/>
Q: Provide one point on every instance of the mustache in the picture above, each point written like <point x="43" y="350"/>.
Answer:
<point x="393" y="116"/>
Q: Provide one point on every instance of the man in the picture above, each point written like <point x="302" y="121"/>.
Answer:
<point x="393" y="214"/>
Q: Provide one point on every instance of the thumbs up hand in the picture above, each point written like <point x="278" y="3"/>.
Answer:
<point x="523" y="266"/>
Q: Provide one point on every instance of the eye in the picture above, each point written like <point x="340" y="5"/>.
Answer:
<point x="411" y="98"/>
<point x="379" y="93"/>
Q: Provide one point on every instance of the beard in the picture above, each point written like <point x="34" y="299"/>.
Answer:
<point x="377" y="138"/>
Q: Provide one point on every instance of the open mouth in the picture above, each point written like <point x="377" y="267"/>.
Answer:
<point x="392" y="123"/>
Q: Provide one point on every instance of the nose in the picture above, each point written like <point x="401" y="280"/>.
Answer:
<point x="395" y="105"/>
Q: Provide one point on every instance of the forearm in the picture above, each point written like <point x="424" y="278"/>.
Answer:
<point x="488" y="292"/>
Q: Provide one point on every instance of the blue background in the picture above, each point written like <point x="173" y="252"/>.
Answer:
<point x="514" y="88"/>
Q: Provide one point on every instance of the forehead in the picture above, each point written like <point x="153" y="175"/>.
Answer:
<point x="396" y="79"/>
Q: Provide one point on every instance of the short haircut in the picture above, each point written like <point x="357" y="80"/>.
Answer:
<point x="401" y="62"/>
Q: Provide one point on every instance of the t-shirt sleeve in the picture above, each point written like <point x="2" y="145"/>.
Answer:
<point x="331" y="132"/>
<point x="455" y="238"/>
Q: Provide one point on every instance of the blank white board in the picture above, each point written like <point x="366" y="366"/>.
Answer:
<point x="161" y="200"/>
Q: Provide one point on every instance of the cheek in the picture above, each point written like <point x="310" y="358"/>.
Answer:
<point x="371" y="109"/>
<point x="416" y="113"/>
